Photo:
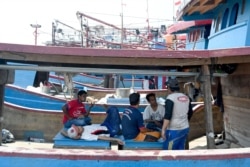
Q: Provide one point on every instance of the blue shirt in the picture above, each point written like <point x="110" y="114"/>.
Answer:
<point x="132" y="121"/>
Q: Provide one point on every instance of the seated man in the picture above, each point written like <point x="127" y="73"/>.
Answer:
<point x="132" y="122"/>
<point x="90" y="132"/>
<point x="75" y="113"/>
<point x="112" y="121"/>
<point x="153" y="114"/>
<point x="105" y="131"/>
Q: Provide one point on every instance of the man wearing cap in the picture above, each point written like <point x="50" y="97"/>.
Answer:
<point x="178" y="111"/>
<point x="75" y="113"/>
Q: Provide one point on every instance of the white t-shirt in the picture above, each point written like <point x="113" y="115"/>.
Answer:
<point x="179" y="118"/>
<point x="89" y="129"/>
<point x="158" y="115"/>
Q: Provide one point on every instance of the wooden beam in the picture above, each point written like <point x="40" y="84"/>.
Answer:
<point x="194" y="9"/>
<point x="203" y="6"/>
<point x="205" y="2"/>
<point x="206" y="8"/>
<point x="123" y="61"/>
<point x="208" y="107"/>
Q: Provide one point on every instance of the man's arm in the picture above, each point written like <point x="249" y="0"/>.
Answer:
<point x="65" y="111"/>
<point x="110" y="139"/>
<point x="190" y="111"/>
<point x="144" y="130"/>
<point x="169" y="105"/>
<point x="89" y="109"/>
<point x="164" y="128"/>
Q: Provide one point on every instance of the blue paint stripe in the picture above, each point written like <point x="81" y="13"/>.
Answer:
<point x="41" y="162"/>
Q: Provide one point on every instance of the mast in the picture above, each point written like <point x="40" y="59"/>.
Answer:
<point x="148" y="17"/>
<point x="121" y="23"/>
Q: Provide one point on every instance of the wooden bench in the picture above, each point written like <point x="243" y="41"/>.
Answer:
<point x="139" y="145"/>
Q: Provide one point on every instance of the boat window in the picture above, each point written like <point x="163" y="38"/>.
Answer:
<point x="191" y="36"/>
<point x="207" y="31"/>
<point x="194" y="35"/>
<point x="224" y="19"/>
<point x="218" y="23"/>
<point x="234" y="13"/>
<point x="198" y="34"/>
<point x="202" y="33"/>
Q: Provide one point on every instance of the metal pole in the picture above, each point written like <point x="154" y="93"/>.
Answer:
<point x="106" y="71"/>
<point x="121" y="23"/>
<point x="36" y="26"/>
<point x="81" y="32"/>
<point x="148" y="18"/>
<point x="53" y="33"/>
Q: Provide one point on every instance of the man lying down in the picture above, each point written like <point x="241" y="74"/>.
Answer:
<point x="92" y="132"/>
<point x="105" y="131"/>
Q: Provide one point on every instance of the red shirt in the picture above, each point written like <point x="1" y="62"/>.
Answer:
<point x="75" y="109"/>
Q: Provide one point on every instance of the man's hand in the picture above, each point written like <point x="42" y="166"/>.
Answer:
<point x="157" y="123"/>
<point x="91" y="105"/>
<point x="120" y="142"/>
<point x="163" y="135"/>
<point x="81" y="116"/>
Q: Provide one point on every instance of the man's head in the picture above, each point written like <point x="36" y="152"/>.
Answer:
<point x="151" y="98"/>
<point x="173" y="85"/>
<point x="75" y="132"/>
<point x="82" y="95"/>
<point x="134" y="99"/>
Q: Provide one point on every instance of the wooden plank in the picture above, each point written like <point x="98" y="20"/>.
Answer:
<point x="236" y="101"/>
<point x="236" y="85"/>
<point x="142" y="145"/>
<point x="235" y="121"/>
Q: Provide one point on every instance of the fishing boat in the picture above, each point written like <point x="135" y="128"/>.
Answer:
<point x="98" y="92"/>
<point x="35" y="112"/>
<point x="30" y="110"/>
<point x="94" y="82"/>
<point x="222" y="25"/>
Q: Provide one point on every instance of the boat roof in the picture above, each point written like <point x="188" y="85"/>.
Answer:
<point x="122" y="59"/>
<point x="184" y="25"/>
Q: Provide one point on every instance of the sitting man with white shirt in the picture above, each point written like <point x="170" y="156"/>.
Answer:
<point x="154" y="113"/>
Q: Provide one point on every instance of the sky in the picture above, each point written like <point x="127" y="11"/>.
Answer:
<point x="17" y="15"/>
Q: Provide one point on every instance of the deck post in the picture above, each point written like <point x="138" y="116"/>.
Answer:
<point x="2" y="86"/>
<point x="208" y="107"/>
<point x="1" y="110"/>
